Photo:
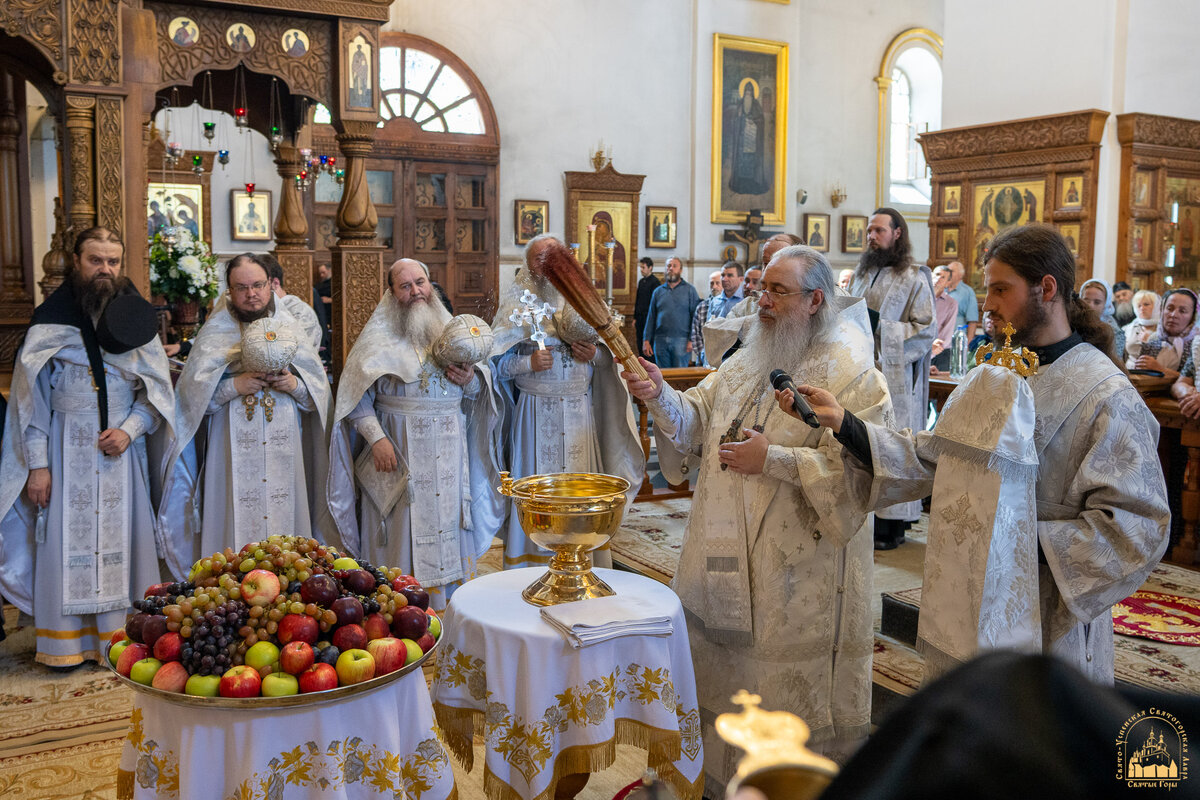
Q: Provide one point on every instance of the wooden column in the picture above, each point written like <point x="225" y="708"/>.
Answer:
<point x="12" y="269"/>
<point x="291" y="227"/>
<point x="81" y="130"/>
<point x="356" y="259"/>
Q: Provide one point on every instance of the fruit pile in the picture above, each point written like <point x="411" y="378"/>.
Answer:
<point x="283" y="616"/>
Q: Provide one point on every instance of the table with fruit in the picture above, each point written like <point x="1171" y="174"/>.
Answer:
<point x="282" y="670"/>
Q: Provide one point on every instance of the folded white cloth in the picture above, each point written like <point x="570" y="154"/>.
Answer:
<point x="588" y="622"/>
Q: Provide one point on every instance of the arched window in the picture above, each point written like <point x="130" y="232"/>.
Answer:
<point x="910" y="103"/>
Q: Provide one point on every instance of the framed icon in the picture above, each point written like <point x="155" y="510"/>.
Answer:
<point x="294" y="43"/>
<point x="854" y="233"/>
<point x="183" y="31"/>
<point x="530" y="218"/>
<point x="250" y="215"/>
<point x="660" y="226"/>
<point x="952" y="200"/>
<point x="1071" y="191"/>
<point x="240" y="37"/>
<point x="816" y="231"/>
<point x="950" y="242"/>
<point x="1070" y="232"/>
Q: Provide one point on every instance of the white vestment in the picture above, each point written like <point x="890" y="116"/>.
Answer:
<point x="441" y="433"/>
<point x="242" y="467"/>
<point x="572" y="417"/>
<point x="305" y="316"/>
<point x="1102" y="513"/>
<point x="903" y="348"/>
<point x="94" y="551"/>
<point x="776" y="569"/>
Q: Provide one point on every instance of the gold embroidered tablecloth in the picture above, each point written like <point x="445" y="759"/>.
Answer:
<point x="545" y="709"/>
<point x="380" y="743"/>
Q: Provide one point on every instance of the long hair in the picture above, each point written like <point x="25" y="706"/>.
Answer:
<point x="1034" y="251"/>
<point x="904" y="246"/>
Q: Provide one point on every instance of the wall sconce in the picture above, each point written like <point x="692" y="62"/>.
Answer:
<point x="802" y="196"/>
<point x="837" y="195"/>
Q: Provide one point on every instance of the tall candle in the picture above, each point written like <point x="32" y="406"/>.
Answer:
<point x="611" y="244"/>
<point x="591" y="246"/>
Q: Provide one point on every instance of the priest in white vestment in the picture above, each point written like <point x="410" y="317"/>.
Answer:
<point x="77" y="542"/>
<point x="901" y="291"/>
<point x="415" y="438"/>
<point x="1101" y="515"/>
<point x="249" y="457"/>
<point x="301" y="311"/>
<point x="565" y="406"/>
<point x="776" y="569"/>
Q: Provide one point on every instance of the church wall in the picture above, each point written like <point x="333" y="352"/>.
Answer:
<point x="1161" y="71"/>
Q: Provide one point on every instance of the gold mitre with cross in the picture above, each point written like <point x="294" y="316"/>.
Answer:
<point x="1023" y="361"/>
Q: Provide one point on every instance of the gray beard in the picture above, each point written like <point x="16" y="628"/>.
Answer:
<point x="1125" y="309"/>
<point x="783" y="344"/>
<point x="421" y="323"/>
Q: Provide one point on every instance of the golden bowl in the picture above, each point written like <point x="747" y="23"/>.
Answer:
<point x="570" y="513"/>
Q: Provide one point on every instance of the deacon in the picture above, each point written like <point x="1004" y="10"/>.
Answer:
<point x="776" y="570"/>
<point x="901" y="291"/>
<point x="1098" y="519"/>
<point x="565" y="407"/>
<point x="249" y="456"/>
<point x="414" y="437"/>
<point x="89" y="384"/>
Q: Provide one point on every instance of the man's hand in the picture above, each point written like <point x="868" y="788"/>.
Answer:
<point x="113" y="442"/>
<point x="541" y="360"/>
<point x="1189" y="405"/>
<point x="689" y="345"/>
<point x="583" y="351"/>
<point x="172" y="349"/>
<point x="647" y="351"/>
<point x="37" y="487"/>
<point x="249" y="382"/>
<point x="644" y="389"/>
<point x="748" y="457"/>
<point x="282" y="381"/>
<point x="459" y="374"/>
<point x="823" y="404"/>
<point x="384" y="455"/>
<point x="938" y="346"/>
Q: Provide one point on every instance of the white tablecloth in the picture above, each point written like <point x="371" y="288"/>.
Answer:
<point x="546" y="709"/>
<point x="379" y="743"/>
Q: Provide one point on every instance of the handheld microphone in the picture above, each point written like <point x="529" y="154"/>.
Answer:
<point x="781" y="380"/>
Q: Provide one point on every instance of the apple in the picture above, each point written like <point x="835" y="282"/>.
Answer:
<point x="280" y="684"/>
<point x="260" y="587"/>
<point x="376" y="626"/>
<point x="349" y="610"/>
<point x="298" y="628"/>
<point x="203" y="685"/>
<point x="158" y="590"/>
<point x="240" y="681"/>
<point x="426" y="642"/>
<point x="359" y="581"/>
<point x="410" y="622"/>
<point x="133" y="626"/>
<point x="400" y="581"/>
<point x="130" y="656"/>
<point x="171" y="677"/>
<point x="143" y="671"/>
<point x="319" y="589"/>
<point x="416" y="596"/>
<point x="414" y="651"/>
<point x="355" y="666"/>
<point x="115" y="650"/>
<point x="262" y="654"/>
<point x="318" y="678"/>
<point x="350" y="637"/>
<point x="119" y="635"/>
<point x="345" y="562"/>
<point x="389" y="654"/>
<point x="295" y="657"/>
<point x="153" y="628"/>
<point x="435" y="627"/>
<point x="168" y="647"/>
<point x="328" y="655"/>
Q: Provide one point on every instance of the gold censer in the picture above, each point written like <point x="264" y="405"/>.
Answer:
<point x="572" y="514"/>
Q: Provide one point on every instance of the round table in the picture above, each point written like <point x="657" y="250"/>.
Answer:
<point x="378" y="743"/>
<point x="546" y="710"/>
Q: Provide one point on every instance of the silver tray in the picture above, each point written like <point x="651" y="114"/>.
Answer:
<point x="259" y="703"/>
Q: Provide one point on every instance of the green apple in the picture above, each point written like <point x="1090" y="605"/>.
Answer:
<point x="203" y="685"/>
<point x="115" y="651"/>
<point x="414" y="651"/>
<point x="435" y="627"/>
<point x="262" y="654"/>
<point x="280" y="684"/>
<point x="143" y="671"/>
<point x="345" y="562"/>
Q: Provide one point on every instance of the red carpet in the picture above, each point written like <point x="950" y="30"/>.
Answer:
<point x="1159" y="617"/>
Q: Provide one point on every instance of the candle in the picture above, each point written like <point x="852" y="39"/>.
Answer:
<point x="611" y="244"/>
<point x="591" y="245"/>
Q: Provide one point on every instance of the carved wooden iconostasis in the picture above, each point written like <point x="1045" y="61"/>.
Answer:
<point x="1157" y="242"/>
<point x="987" y="178"/>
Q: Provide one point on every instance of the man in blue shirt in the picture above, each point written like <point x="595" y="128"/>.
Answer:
<point x="968" y="306"/>
<point x="669" y="320"/>
<point x="732" y="292"/>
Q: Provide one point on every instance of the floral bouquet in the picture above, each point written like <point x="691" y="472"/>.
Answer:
<point x="182" y="268"/>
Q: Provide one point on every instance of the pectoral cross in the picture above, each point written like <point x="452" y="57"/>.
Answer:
<point x="734" y="435"/>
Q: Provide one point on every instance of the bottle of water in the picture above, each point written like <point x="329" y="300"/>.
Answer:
<point x="958" y="353"/>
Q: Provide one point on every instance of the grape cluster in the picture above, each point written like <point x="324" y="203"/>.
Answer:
<point x="153" y="604"/>
<point x="213" y="645"/>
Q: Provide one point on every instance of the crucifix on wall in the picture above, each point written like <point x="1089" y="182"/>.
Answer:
<point x="750" y="235"/>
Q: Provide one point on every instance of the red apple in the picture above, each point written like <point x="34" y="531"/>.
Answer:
<point x="350" y="637"/>
<point x="119" y="635"/>
<point x="298" y="628"/>
<point x="168" y="647"/>
<point x="318" y="678"/>
<point x="154" y="627"/>
<point x="355" y="666"/>
<point x="158" y="590"/>
<point x="389" y="654"/>
<point x="360" y="581"/>
<point x="416" y="596"/>
<point x="260" y="587"/>
<point x="349" y="610"/>
<point x="400" y="581"/>
<point x="376" y="626"/>
<point x="319" y="589"/>
<point x="240" y="681"/>
<point x="295" y="657"/>
<point x="130" y="656"/>
<point x="133" y="626"/>
<point x="171" y="677"/>
<point x="426" y="642"/>
<point x="410" y="622"/>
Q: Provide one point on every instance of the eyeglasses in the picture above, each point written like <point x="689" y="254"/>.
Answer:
<point x="255" y="287"/>
<point x="776" y="296"/>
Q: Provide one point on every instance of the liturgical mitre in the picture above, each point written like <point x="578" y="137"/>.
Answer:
<point x="268" y="345"/>
<point x="466" y="339"/>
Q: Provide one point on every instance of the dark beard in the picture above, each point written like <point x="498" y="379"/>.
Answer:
<point x="250" y="316"/>
<point x="878" y="258"/>
<point x="94" y="295"/>
<point x="1033" y="319"/>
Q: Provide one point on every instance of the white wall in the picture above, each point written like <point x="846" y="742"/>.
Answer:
<point x="1161" y="65"/>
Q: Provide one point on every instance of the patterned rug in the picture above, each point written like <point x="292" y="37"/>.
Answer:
<point x="651" y="536"/>
<point x="1159" y="617"/>
<point x="78" y="772"/>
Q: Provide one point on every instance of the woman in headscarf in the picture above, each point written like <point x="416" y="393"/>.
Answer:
<point x="1144" y="325"/>
<point x="1097" y="294"/>
<point x="1171" y="345"/>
